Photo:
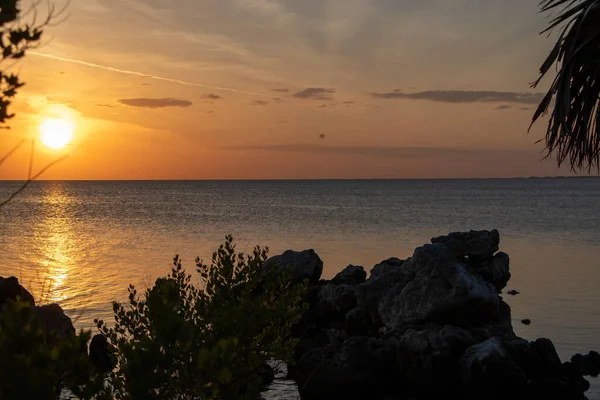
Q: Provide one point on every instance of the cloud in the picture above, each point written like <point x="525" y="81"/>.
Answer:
<point x="460" y="96"/>
<point x="503" y="107"/>
<point x="212" y="96"/>
<point x="348" y="102"/>
<point x="315" y="94"/>
<point x="260" y="103"/>
<point x="391" y="151"/>
<point x="277" y="100"/>
<point x="140" y="74"/>
<point x="281" y="90"/>
<point x="105" y="105"/>
<point x="155" y="103"/>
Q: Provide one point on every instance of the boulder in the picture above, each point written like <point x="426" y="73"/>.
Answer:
<point x="383" y="278"/>
<point x="302" y="264"/>
<point x="391" y="265"/>
<point x="547" y="352"/>
<point x="358" y="322"/>
<point x="10" y="289"/>
<point x="487" y="368"/>
<point x="496" y="271"/>
<point x="428" y="356"/>
<point x="564" y="382"/>
<point x="52" y="318"/>
<point x="588" y="365"/>
<point x="552" y="389"/>
<point x="360" y="368"/>
<point x="336" y="299"/>
<point x="352" y="275"/>
<point x="501" y="325"/>
<point x="319" y="339"/>
<point x="475" y="245"/>
<point x="443" y="291"/>
<point x="100" y="354"/>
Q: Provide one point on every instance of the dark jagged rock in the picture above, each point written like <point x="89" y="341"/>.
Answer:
<point x="547" y="352"/>
<point x="551" y="389"/>
<point x="513" y="292"/>
<point x="361" y="368"/>
<point x="358" y="322"/>
<point x="352" y="275"/>
<point x="432" y="326"/>
<point x="100" y="354"/>
<point x="303" y="265"/>
<point x="336" y="299"/>
<point x="53" y="319"/>
<point x="390" y="265"/>
<point x="475" y="245"/>
<point x="379" y="284"/>
<point x="10" y="289"/>
<point x="429" y="355"/>
<point x="487" y="368"/>
<point x="443" y="291"/>
<point x="588" y="365"/>
<point x="501" y="325"/>
<point x="496" y="271"/>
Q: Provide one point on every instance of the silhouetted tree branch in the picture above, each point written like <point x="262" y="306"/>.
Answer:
<point x="33" y="178"/>
<point x="11" y="152"/>
<point x="16" y="37"/>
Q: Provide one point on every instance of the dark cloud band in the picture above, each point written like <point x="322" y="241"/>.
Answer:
<point x="315" y="94"/>
<point x="461" y="96"/>
<point x="155" y="103"/>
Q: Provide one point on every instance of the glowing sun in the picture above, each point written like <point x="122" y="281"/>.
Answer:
<point x="56" y="133"/>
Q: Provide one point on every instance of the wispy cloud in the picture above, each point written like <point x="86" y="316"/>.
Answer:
<point x="143" y="75"/>
<point x="503" y="107"/>
<point x="281" y="90"/>
<point x="462" y="96"/>
<point x="155" y="103"/>
<point x="315" y="94"/>
<point x="388" y="151"/>
<point x="260" y="103"/>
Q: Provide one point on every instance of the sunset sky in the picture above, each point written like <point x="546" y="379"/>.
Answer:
<point x="270" y="89"/>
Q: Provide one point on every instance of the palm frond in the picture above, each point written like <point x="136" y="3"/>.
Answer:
<point x="573" y="132"/>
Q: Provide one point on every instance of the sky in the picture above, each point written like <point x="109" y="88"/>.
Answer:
<point x="286" y="89"/>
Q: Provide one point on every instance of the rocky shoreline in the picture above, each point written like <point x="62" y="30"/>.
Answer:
<point x="432" y="326"/>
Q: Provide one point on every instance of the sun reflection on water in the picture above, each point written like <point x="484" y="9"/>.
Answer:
<point x="57" y="247"/>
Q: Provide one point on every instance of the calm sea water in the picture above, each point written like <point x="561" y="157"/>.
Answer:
<point x="81" y="243"/>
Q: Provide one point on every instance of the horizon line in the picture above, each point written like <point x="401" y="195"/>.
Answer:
<point x="308" y="179"/>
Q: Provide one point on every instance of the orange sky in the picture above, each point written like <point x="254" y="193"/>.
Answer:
<point x="245" y="89"/>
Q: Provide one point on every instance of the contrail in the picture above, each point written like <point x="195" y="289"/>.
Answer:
<point x="140" y="74"/>
<point x="162" y="78"/>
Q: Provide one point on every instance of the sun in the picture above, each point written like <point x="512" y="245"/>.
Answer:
<point x="56" y="133"/>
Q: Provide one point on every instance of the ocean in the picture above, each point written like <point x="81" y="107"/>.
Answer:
<point x="82" y="243"/>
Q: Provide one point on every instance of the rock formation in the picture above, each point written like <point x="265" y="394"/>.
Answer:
<point x="431" y="326"/>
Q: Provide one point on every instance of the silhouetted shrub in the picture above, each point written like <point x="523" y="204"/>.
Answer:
<point x="211" y="340"/>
